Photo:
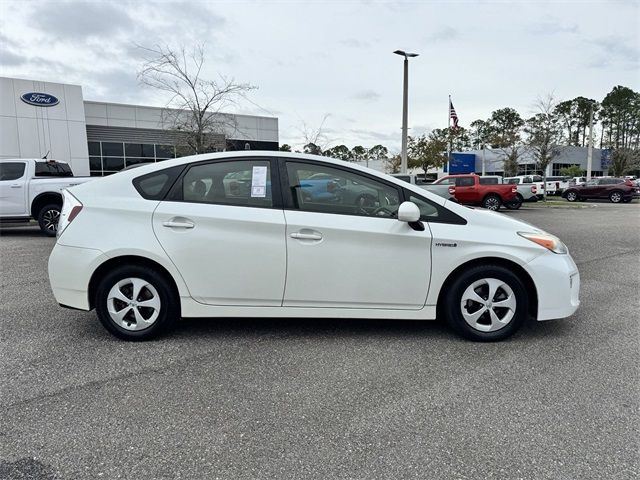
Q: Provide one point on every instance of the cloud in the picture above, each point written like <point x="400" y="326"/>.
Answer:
<point x="367" y="96"/>
<point x="78" y="21"/>
<point x="354" y="43"/>
<point x="551" y="26"/>
<point x="444" y="34"/>
<point x="374" y="135"/>
<point x="8" y="58"/>
<point x="614" y="49"/>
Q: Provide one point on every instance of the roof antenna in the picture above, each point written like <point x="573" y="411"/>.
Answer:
<point x="47" y="154"/>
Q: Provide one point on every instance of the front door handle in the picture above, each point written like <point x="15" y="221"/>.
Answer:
<point x="172" y="224"/>
<point x="16" y="186"/>
<point x="306" y="235"/>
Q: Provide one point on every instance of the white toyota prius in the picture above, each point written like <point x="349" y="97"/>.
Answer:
<point x="277" y="234"/>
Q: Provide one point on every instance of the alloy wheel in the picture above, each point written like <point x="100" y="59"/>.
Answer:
<point x="488" y="304"/>
<point x="492" y="203"/>
<point x="51" y="218"/>
<point x="616" y="197"/>
<point x="572" y="196"/>
<point x="133" y="304"/>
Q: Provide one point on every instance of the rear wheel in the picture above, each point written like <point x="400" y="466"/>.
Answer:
<point x="136" y="303"/>
<point x="515" y="204"/>
<point x="572" y="196"/>
<point x="486" y="303"/>
<point x="615" y="197"/>
<point x="491" y="202"/>
<point x="48" y="218"/>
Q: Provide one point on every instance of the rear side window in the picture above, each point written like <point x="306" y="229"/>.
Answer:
<point x="245" y="183"/>
<point x="11" y="170"/>
<point x="155" y="185"/>
<point x="465" y="182"/>
<point x="489" y="181"/>
<point x="53" y="169"/>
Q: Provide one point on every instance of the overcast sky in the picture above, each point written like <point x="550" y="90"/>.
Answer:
<point x="314" y="58"/>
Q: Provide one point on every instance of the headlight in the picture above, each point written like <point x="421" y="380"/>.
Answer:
<point x="546" y="240"/>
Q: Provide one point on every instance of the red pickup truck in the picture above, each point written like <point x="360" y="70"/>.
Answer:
<point x="469" y="190"/>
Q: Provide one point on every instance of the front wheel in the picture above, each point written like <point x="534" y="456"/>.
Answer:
<point x="486" y="303"/>
<point x="615" y="197"/>
<point x="48" y="218"/>
<point x="136" y="303"/>
<point x="572" y="196"/>
<point x="491" y="202"/>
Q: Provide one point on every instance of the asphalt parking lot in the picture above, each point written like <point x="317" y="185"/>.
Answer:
<point x="328" y="399"/>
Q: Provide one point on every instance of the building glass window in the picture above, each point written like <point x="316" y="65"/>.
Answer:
<point x="109" y="157"/>
<point x="94" y="148"/>
<point x="113" y="163"/>
<point x="111" y="149"/>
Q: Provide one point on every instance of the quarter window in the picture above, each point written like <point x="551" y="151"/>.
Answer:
<point x="432" y="212"/>
<point x="11" y="170"/>
<point x="241" y="183"/>
<point x="316" y="188"/>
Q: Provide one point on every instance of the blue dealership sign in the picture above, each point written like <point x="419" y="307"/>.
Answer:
<point x="39" y="99"/>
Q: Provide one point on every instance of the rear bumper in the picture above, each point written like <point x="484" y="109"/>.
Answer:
<point x="70" y="270"/>
<point x="557" y="282"/>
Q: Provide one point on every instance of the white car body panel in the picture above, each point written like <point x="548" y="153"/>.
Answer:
<point x="360" y="262"/>
<point x="250" y="241"/>
<point x="393" y="273"/>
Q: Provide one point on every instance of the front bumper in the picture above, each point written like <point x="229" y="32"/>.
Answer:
<point x="557" y="282"/>
<point x="70" y="270"/>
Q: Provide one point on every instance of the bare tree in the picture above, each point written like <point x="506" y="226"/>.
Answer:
<point x="315" y="139"/>
<point x="544" y="131"/>
<point x="195" y="107"/>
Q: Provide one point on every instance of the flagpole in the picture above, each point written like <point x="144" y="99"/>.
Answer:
<point x="448" y="135"/>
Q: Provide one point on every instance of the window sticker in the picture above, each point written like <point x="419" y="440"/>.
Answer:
<point x="259" y="182"/>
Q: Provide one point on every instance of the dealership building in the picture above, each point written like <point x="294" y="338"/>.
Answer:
<point x="491" y="161"/>
<point x="40" y="119"/>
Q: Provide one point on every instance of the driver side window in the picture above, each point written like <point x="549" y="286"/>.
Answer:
<point x="317" y="188"/>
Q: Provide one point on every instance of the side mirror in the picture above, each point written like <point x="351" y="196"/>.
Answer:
<point x="408" y="212"/>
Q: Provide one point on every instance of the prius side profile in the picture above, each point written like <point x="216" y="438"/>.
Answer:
<point x="278" y="234"/>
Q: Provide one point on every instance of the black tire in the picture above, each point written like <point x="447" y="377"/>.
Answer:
<point x="572" y="196"/>
<point x="627" y="200"/>
<point x="168" y="311"/>
<point x="515" y="204"/>
<point x="48" y="218"/>
<point x="615" y="197"/>
<point x="452" y="308"/>
<point x="491" y="202"/>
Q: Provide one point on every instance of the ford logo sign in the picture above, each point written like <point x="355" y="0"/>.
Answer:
<point x="39" y="99"/>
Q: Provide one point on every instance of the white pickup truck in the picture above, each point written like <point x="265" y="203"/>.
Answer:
<point x="536" y="180"/>
<point x="32" y="188"/>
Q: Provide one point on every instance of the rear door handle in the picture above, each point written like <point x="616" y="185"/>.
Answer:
<point x="171" y="224"/>
<point x="306" y="236"/>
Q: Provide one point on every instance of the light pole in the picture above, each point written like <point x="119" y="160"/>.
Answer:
<point x="405" y="107"/>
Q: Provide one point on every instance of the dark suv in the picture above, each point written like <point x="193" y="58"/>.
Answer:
<point x="615" y="189"/>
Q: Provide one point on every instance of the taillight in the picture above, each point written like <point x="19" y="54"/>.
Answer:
<point x="628" y="183"/>
<point x="557" y="185"/>
<point x="534" y="189"/>
<point x="71" y="207"/>
<point x="452" y="190"/>
<point x="514" y="189"/>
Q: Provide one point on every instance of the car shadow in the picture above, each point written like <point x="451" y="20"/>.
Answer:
<point x="25" y="230"/>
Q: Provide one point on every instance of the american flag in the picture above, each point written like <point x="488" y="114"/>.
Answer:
<point x="453" y="115"/>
